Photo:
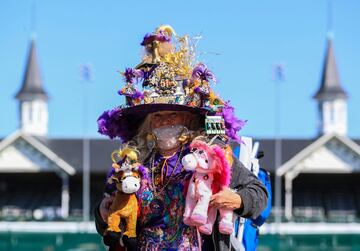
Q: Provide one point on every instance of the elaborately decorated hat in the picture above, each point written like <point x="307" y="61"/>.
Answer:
<point x="167" y="79"/>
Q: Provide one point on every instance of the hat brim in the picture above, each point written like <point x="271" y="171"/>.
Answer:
<point x="144" y="109"/>
<point x="127" y="120"/>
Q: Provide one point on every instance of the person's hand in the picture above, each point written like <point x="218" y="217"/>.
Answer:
<point x="226" y="199"/>
<point x="105" y="206"/>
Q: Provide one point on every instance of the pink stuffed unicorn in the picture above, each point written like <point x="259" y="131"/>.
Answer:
<point x="211" y="174"/>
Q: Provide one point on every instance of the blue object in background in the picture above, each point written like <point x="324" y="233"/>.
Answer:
<point x="250" y="238"/>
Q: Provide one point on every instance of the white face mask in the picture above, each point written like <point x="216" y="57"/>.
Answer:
<point x="167" y="137"/>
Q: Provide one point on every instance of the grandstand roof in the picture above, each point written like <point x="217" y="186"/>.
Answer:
<point x="329" y="153"/>
<point x="100" y="150"/>
<point x="290" y="147"/>
<point x="70" y="150"/>
<point x="22" y="152"/>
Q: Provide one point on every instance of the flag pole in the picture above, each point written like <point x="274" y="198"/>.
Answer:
<point x="278" y="77"/>
<point x="86" y="77"/>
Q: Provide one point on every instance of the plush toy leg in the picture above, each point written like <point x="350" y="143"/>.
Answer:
<point x="129" y="243"/>
<point x="111" y="238"/>
<point x="199" y="215"/>
<point x="114" y="222"/>
<point x="189" y="205"/>
<point x="208" y="226"/>
<point x="113" y="232"/>
<point x="131" y="225"/>
<point x="226" y="222"/>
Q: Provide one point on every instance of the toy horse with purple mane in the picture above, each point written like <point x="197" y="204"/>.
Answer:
<point x="211" y="175"/>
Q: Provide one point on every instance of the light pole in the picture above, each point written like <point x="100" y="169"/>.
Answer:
<point x="86" y="77"/>
<point x="278" y="77"/>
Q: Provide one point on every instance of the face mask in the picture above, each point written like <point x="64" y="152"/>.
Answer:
<point x="167" y="137"/>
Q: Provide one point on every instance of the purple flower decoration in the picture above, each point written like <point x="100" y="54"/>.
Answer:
<point x="162" y="37"/>
<point x="186" y="82"/>
<point x="137" y="95"/>
<point x="197" y="89"/>
<point x="201" y="72"/>
<point x="131" y="75"/>
<point x="149" y="38"/>
<point x="107" y="123"/>
<point x="121" y="92"/>
<point x="232" y="123"/>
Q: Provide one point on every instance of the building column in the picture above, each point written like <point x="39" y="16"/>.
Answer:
<point x="65" y="196"/>
<point x="288" y="197"/>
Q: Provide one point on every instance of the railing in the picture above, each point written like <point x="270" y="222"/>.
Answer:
<point x="317" y="214"/>
<point x="14" y="213"/>
<point x="300" y="215"/>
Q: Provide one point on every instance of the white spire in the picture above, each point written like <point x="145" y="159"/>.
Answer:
<point x="33" y="98"/>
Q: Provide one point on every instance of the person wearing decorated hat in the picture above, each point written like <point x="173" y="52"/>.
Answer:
<point x="169" y="102"/>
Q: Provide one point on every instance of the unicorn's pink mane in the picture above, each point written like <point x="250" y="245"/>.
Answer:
<point x="222" y="170"/>
<point x="222" y="174"/>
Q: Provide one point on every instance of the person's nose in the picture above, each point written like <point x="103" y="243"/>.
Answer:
<point x="166" y="120"/>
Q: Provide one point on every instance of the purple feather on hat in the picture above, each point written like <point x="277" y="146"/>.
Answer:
<point x="148" y="38"/>
<point x="161" y="37"/>
<point x="107" y="123"/>
<point x="202" y="73"/>
<point x="232" y="123"/>
<point x="131" y="75"/>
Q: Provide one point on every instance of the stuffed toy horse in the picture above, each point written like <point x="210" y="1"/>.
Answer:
<point x="126" y="177"/>
<point x="211" y="174"/>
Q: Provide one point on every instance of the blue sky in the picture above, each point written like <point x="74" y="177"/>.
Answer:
<point x="241" y="41"/>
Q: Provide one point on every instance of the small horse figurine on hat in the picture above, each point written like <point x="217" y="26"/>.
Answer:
<point x="211" y="174"/>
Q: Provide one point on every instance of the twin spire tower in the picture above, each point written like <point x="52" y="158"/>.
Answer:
<point x="331" y="97"/>
<point x="33" y="106"/>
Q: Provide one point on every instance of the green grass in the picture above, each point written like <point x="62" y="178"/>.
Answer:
<point x="318" y="242"/>
<point x="93" y="242"/>
<point x="50" y="242"/>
